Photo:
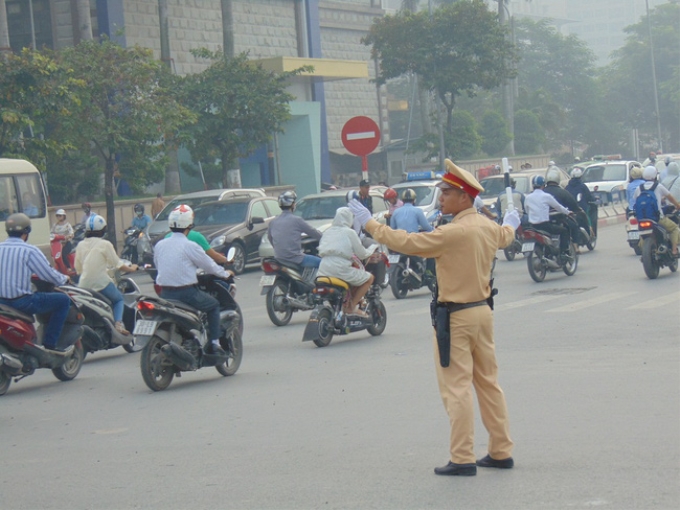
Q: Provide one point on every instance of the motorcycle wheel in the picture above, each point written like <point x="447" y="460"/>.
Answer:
<point x="648" y="263"/>
<point x="379" y="315"/>
<point x="592" y="243"/>
<point x="535" y="265"/>
<point x="509" y="252"/>
<point x="5" y="381"/>
<point x="132" y="347"/>
<point x="325" y="326"/>
<point x="570" y="268"/>
<point x="70" y="368"/>
<point x="278" y="290"/>
<point x="156" y="375"/>
<point x="399" y="290"/>
<point x="233" y="346"/>
<point x="239" y="262"/>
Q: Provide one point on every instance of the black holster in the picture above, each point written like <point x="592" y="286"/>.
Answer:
<point x="443" y="329"/>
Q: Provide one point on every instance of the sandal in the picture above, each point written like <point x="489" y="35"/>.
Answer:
<point x="359" y="313"/>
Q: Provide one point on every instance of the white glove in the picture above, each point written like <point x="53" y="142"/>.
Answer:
<point x="361" y="214"/>
<point x="511" y="218"/>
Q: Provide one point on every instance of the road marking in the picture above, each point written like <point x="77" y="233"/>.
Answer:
<point x="598" y="300"/>
<point x="653" y="303"/>
<point x="361" y="136"/>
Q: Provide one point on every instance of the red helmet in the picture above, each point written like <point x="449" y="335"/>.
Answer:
<point x="390" y="193"/>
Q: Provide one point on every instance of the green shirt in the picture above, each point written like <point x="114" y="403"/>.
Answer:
<point x="196" y="237"/>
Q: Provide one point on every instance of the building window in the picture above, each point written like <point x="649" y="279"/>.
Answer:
<point x="19" y="24"/>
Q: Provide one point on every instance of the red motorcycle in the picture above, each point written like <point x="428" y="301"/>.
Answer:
<point x="20" y="350"/>
<point x="57" y="242"/>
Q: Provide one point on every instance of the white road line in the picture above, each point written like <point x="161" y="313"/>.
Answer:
<point x="660" y="301"/>
<point x="361" y="136"/>
<point x="525" y="302"/>
<point x="598" y="300"/>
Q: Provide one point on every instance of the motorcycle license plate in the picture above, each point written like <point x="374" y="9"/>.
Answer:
<point x="528" y="246"/>
<point x="267" y="280"/>
<point x="145" y="328"/>
<point x="393" y="259"/>
<point x="633" y="235"/>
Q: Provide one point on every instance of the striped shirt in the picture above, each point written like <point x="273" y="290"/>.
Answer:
<point x="19" y="260"/>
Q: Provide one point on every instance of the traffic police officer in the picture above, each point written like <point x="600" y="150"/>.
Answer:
<point x="464" y="250"/>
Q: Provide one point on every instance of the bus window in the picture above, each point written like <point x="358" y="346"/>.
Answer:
<point x="32" y="198"/>
<point x="8" y="198"/>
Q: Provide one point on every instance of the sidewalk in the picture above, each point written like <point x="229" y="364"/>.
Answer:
<point x="611" y="214"/>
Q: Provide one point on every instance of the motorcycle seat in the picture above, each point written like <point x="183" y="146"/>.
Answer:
<point x="330" y="280"/>
<point x="11" y="312"/>
<point x="295" y="267"/>
<point x="100" y="296"/>
<point x="183" y="306"/>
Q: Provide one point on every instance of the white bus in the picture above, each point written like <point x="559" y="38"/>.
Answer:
<point x="22" y="190"/>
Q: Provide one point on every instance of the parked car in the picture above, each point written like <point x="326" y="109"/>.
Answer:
<point x="236" y="222"/>
<point x="607" y="180"/>
<point x="159" y="225"/>
<point x="319" y="209"/>
<point x="427" y="192"/>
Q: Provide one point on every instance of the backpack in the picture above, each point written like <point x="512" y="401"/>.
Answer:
<point x="646" y="205"/>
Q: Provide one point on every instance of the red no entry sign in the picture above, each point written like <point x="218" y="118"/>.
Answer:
<point x="360" y="136"/>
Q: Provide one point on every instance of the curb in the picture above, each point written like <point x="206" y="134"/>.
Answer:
<point x="611" y="215"/>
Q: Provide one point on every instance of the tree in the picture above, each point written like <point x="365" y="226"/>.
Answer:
<point x="239" y="107"/>
<point x="494" y="132"/>
<point x="628" y="79"/>
<point x="127" y="108"/>
<point x="528" y="132"/>
<point x="460" y="50"/>
<point x="462" y="141"/>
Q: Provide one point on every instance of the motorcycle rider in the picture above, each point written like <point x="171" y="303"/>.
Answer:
<point x="538" y="204"/>
<point x="392" y="198"/>
<point x="364" y="197"/>
<point x="635" y="181"/>
<point x="63" y="228"/>
<point x="141" y="220"/>
<point x="671" y="182"/>
<point x="649" y="174"/>
<point x="411" y="219"/>
<point x="19" y="260"/>
<point x="177" y="260"/>
<point x="338" y="245"/>
<point x="87" y="212"/>
<point x="576" y="186"/>
<point x="552" y="187"/>
<point x="517" y="200"/>
<point x="285" y="234"/>
<point x="94" y="256"/>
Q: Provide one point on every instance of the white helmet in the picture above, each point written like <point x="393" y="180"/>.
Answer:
<point x="551" y="163"/>
<point x="576" y="172"/>
<point x="287" y="198"/>
<point x="95" y="223"/>
<point x="553" y="175"/>
<point x="60" y="212"/>
<point x="181" y="216"/>
<point x="649" y="173"/>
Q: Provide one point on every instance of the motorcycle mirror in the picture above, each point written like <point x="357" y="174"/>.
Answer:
<point x="231" y="254"/>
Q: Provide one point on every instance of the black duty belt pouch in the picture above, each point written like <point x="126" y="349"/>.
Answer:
<point x="443" y="328"/>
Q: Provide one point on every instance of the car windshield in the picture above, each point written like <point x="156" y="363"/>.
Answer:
<point x="424" y="193"/>
<point x="599" y="173"/>
<point x="492" y="188"/>
<point x="191" y="202"/>
<point x="221" y="214"/>
<point x="319" y="208"/>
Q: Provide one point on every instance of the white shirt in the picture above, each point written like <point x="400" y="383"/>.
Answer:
<point x="660" y="192"/>
<point x="537" y="205"/>
<point x="94" y="256"/>
<point x="177" y="259"/>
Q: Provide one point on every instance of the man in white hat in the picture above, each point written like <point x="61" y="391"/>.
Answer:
<point x="464" y="250"/>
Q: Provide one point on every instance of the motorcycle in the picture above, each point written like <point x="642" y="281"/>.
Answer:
<point x="656" y="246"/>
<point x="288" y="287"/>
<point x="57" y="241"/>
<point x="515" y="246"/>
<point x="633" y="232"/>
<point x="99" y="332"/>
<point x="173" y="334"/>
<point x="542" y="251"/>
<point x="21" y="350"/>
<point x="409" y="273"/>
<point x="331" y="296"/>
<point x="588" y="237"/>
<point x="137" y="245"/>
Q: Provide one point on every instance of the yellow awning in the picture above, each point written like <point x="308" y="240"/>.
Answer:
<point x="326" y="68"/>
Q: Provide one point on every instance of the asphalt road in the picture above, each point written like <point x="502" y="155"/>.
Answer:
<point x="589" y="363"/>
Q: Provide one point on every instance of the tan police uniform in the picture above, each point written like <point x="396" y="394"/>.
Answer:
<point x="464" y="251"/>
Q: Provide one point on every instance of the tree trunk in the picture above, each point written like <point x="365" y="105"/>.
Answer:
<point x="4" y="30"/>
<point x="108" y="193"/>
<point x="84" y="21"/>
<point x="225" y="170"/>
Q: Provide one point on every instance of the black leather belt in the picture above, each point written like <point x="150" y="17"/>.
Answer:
<point x="178" y="288"/>
<point x="455" y="307"/>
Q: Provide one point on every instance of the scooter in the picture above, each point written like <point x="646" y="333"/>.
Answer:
<point x="515" y="247"/>
<point x="542" y="251"/>
<point x="173" y="335"/>
<point x="66" y="266"/>
<point x="588" y="237"/>
<point x="656" y="246"/>
<point x="409" y="273"/>
<point x="137" y="245"/>
<point x="21" y="350"/>
<point x="332" y="295"/>
<point x="99" y="332"/>
<point x="633" y="232"/>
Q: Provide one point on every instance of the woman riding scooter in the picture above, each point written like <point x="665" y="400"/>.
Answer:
<point x="63" y="228"/>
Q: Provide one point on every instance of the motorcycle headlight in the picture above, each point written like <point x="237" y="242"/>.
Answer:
<point x="218" y="241"/>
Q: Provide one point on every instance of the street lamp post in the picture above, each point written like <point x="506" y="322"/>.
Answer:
<point x="440" y="127"/>
<point x="656" y="94"/>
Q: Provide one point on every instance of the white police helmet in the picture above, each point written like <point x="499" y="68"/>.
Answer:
<point x="95" y="223"/>
<point x="649" y="173"/>
<point x="577" y="172"/>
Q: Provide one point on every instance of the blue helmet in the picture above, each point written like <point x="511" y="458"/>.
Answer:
<point x="537" y="181"/>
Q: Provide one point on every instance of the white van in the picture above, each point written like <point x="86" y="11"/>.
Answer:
<point x="22" y="190"/>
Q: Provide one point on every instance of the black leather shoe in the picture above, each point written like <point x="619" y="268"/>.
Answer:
<point x="211" y="348"/>
<point x="452" y="469"/>
<point x="493" y="463"/>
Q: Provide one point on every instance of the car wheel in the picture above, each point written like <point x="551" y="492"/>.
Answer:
<point x="239" y="262"/>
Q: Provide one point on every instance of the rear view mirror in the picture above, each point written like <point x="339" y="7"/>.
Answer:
<point x="231" y="253"/>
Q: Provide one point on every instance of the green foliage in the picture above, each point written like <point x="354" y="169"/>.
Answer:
<point x="494" y="132"/>
<point x="528" y="132"/>
<point x="239" y="106"/>
<point x="462" y="141"/>
<point x="460" y="50"/>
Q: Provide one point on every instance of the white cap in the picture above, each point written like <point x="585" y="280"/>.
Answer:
<point x="60" y="212"/>
<point x="649" y="173"/>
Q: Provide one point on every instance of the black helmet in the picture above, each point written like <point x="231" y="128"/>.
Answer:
<point x="18" y="224"/>
<point x="139" y="208"/>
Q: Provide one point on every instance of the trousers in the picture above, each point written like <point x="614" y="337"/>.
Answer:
<point x="473" y="363"/>
<point x="198" y="299"/>
<point x="56" y="304"/>
<point x="116" y="298"/>
<point x="672" y="229"/>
